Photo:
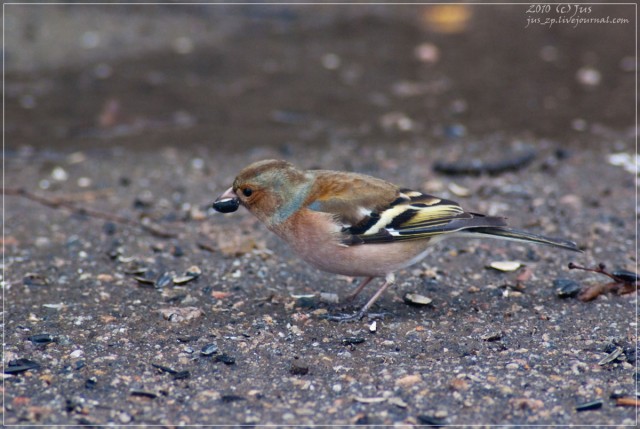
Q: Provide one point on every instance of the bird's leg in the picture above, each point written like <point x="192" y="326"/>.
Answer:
<point x="361" y="286"/>
<point x="389" y="280"/>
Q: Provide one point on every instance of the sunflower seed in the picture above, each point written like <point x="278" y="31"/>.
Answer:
<point x="566" y="288"/>
<point x="209" y="349"/>
<point x="592" y="405"/>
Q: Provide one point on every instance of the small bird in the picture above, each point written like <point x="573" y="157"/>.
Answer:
<point x="357" y="225"/>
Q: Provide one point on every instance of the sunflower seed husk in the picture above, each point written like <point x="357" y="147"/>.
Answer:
<point x="416" y="299"/>
<point x="611" y="356"/>
<point x="505" y="266"/>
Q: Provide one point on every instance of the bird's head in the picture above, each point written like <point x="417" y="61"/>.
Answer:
<point x="267" y="188"/>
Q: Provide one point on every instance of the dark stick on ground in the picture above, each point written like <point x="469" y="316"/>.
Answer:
<point x="65" y="203"/>
<point x="478" y="167"/>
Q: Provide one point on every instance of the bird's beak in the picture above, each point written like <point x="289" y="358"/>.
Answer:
<point x="227" y="202"/>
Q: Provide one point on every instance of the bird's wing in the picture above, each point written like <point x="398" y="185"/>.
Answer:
<point x="374" y="211"/>
<point x="417" y="216"/>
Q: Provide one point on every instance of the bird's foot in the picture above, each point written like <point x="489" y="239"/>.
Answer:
<point x="343" y="318"/>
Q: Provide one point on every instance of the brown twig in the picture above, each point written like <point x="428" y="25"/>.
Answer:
<point x="627" y="402"/>
<point x="623" y="282"/>
<point x="602" y="269"/>
<point x="67" y="204"/>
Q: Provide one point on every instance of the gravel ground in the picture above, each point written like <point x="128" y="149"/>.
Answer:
<point x="111" y="167"/>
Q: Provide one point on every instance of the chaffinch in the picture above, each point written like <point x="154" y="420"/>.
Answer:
<point x="357" y="225"/>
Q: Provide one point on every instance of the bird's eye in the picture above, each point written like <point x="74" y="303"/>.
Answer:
<point x="247" y="192"/>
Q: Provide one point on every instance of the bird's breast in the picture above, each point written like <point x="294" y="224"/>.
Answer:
<point x="316" y="238"/>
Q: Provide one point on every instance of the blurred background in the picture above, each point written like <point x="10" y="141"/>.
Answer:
<point x="238" y="76"/>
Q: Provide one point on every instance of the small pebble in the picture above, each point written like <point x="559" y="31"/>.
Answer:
<point x="177" y="251"/>
<point x="197" y="163"/>
<point x="232" y="398"/>
<point x="90" y="383"/>
<point x="41" y="338"/>
<point x="329" y="298"/>
<point x="549" y="53"/>
<point x="492" y="336"/>
<point x="331" y="61"/>
<point x="90" y="39"/>
<point x="110" y="228"/>
<point x="84" y="182"/>
<point x="427" y="53"/>
<point x="226" y="359"/>
<point x="102" y="71"/>
<point x="124" y="418"/>
<point x="373" y="327"/>
<point x="183" y="45"/>
<point x="408" y="380"/>
<point x="306" y="301"/>
<point x="628" y="161"/>
<point x="416" y="299"/>
<point x="374" y="400"/>
<point x="187" y="338"/>
<point x="617" y="394"/>
<point x="352" y="340"/>
<point x="42" y="242"/>
<point x="143" y="393"/>
<point x="432" y="421"/>
<point x="455" y="130"/>
<point x="20" y="365"/>
<point x="181" y="375"/>
<point x="360" y="419"/>
<point x="59" y="174"/>
<point x="588" y="76"/>
<point x="579" y="124"/>
<point x="298" y="367"/>
<point x="28" y="101"/>
<point x="628" y="64"/>
<point x="193" y="271"/>
<point x="180" y="314"/>
<point x="33" y="279"/>
<point x="398" y="402"/>
<point x="459" y="191"/>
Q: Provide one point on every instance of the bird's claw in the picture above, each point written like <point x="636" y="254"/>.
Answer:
<point x="343" y="318"/>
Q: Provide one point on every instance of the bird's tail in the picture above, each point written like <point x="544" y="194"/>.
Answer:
<point x="522" y="236"/>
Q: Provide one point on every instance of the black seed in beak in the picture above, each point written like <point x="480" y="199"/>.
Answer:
<point x="226" y="204"/>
